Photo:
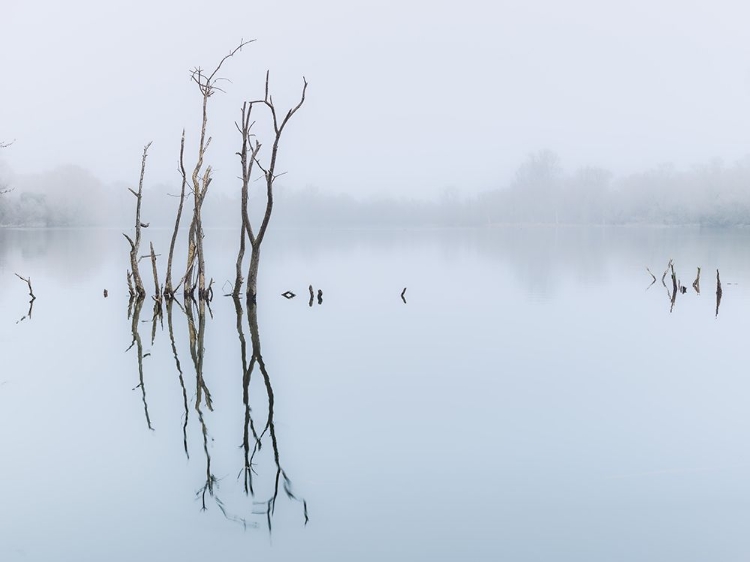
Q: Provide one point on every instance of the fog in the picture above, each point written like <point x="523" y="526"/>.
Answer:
<point x="407" y="100"/>
<point x="541" y="191"/>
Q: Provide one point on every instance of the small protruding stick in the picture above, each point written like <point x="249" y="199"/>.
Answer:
<point x="157" y="290"/>
<point x="718" y="293"/>
<point x="651" y="274"/>
<point x="403" y="295"/>
<point x="312" y="295"/>
<point x="697" y="282"/>
<point x="665" y="273"/>
<point x="27" y="280"/>
<point x="674" y="287"/>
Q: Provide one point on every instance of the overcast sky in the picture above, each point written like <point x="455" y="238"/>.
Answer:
<point x="405" y="97"/>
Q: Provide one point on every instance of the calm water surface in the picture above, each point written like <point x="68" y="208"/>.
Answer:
<point x="532" y="400"/>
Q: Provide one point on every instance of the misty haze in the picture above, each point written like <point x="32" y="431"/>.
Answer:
<point x="374" y="281"/>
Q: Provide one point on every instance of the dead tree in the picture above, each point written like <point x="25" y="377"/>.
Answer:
<point x="269" y="174"/>
<point x="137" y="291"/>
<point x="168" y="289"/>
<point x="246" y="162"/>
<point x="195" y="271"/>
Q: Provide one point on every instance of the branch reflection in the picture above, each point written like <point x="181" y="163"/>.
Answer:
<point x="170" y="326"/>
<point x="262" y="476"/>
<point x="134" y="313"/>
<point x="267" y="506"/>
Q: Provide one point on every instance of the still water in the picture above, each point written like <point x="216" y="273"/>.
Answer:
<point x="533" y="399"/>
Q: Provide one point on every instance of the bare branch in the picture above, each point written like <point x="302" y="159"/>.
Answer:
<point x="27" y="280"/>
<point x="257" y="163"/>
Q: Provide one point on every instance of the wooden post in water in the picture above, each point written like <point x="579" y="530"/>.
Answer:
<point x="697" y="282"/>
<point x="718" y="293"/>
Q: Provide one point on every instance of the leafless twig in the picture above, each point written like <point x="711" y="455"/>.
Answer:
<point x="27" y="280"/>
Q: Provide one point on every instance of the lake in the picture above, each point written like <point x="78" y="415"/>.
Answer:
<point x="535" y="398"/>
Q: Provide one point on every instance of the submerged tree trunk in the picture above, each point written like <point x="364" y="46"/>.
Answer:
<point x="247" y="163"/>
<point x="201" y="179"/>
<point x="269" y="173"/>
<point x="252" y="274"/>
<point x="139" y="291"/>
<point x="168" y="289"/>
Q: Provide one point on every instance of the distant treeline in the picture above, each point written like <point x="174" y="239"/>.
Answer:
<point x="714" y="194"/>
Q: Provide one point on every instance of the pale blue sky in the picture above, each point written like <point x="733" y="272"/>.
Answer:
<point x="404" y="98"/>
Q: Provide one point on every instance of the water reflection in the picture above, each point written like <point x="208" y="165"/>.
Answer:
<point x="134" y="314"/>
<point x="267" y="506"/>
<point x="260" y="445"/>
<point x="675" y="286"/>
<point x="27" y="280"/>
<point x="170" y="325"/>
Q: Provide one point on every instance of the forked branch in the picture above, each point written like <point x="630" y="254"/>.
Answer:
<point x="201" y="179"/>
<point x="269" y="173"/>
<point x="27" y="280"/>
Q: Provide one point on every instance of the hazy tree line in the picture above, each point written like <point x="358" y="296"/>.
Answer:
<point x="541" y="192"/>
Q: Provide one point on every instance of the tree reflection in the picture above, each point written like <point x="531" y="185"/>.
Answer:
<point x="676" y="287"/>
<point x="258" y="400"/>
<point x="202" y="394"/>
<point x="134" y="313"/>
<point x="170" y="326"/>
<point x="27" y="280"/>
<point x="267" y="506"/>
